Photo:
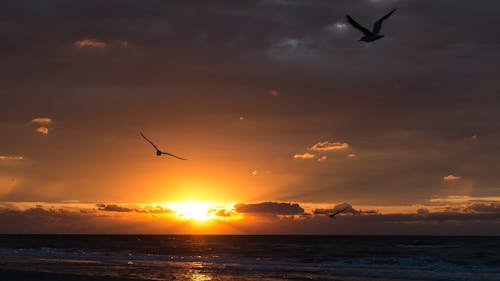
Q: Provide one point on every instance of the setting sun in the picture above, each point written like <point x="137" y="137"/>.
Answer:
<point x="198" y="211"/>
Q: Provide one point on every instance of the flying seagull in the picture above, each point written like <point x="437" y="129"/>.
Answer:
<point x="373" y="35"/>
<point x="332" y="215"/>
<point x="158" y="151"/>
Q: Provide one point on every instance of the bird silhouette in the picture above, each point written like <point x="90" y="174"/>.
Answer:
<point x="332" y="215"/>
<point x="158" y="151"/>
<point x="374" y="34"/>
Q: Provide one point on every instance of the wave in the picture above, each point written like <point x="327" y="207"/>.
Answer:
<point x="428" y="246"/>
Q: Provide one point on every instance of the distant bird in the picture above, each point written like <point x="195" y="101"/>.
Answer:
<point x="332" y="215"/>
<point x="373" y="35"/>
<point x="158" y="151"/>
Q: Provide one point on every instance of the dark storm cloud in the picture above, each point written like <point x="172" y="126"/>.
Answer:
<point x="274" y="208"/>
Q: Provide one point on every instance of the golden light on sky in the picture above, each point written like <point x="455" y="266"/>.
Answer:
<point x="276" y="122"/>
<point x="201" y="211"/>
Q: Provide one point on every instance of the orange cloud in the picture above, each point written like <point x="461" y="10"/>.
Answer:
<point x="451" y="177"/>
<point x="322" y="158"/>
<point x="305" y="155"/>
<point x="6" y="158"/>
<point x="42" y="130"/>
<point x="275" y="93"/>
<point x="329" y="146"/>
<point x="41" y="120"/>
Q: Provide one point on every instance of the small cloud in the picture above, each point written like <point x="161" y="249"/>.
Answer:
<point x="124" y="44"/>
<point x="338" y="26"/>
<point x="322" y="158"/>
<point x="451" y="177"/>
<point x="242" y="118"/>
<point x="290" y="43"/>
<point x="41" y="120"/>
<point x="352" y="155"/>
<point x="254" y="172"/>
<point x="305" y="155"/>
<point x="274" y="93"/>
<point x="42" y="130"/>
<point x="90" y="43"/>
<point x="329" y="146"/>
<point x="11" y="158"/>
<point x="291" y="48"/>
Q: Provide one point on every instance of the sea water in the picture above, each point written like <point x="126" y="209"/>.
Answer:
<point x="243" y="257"/>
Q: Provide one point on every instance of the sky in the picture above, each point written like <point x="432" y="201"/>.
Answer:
<point x="283" y="115"/>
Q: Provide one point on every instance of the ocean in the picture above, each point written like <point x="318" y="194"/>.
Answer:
<point x="246" y="257"/>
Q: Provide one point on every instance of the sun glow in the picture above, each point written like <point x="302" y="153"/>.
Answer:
<point x="201" y="211"/>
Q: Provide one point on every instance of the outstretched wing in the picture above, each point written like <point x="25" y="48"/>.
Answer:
<point x="378" y="24"/>
<point x="149" y="141"/>
<point x="358" y="26"/>
<point x="169" y="154"/>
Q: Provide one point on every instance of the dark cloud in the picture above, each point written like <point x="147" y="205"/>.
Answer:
<point x="492" y="207"/>
<point x="40" y="220"/>
<point x="489" y="211"/>
<point x="477" y="212"/>
<point x="143" y="209"/>
<point x="274" y="208"/>
<point x="348" y="210"/>
<point x="60" y="220"/>
<point x="113" y="208"/>
<point x="485" y="207"/>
